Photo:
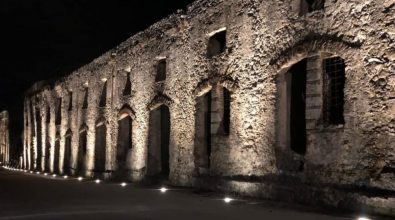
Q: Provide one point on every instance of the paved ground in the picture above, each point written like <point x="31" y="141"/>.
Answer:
<point x="32" y="196"/>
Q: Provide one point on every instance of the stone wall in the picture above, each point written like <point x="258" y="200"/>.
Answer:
<point x="349" y="165"/>
<point x="4" y="138"/>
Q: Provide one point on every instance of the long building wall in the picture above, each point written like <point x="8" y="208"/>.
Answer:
<point x="4" y="138"/>
<point x="221" y="80"/>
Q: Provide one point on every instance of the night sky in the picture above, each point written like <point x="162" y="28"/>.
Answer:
<point x="47" y="39"/>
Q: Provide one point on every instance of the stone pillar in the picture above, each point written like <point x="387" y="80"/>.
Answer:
<point x="4" y="138"/>
<point x="43" y="136"/>
<point x="34" y="133"/>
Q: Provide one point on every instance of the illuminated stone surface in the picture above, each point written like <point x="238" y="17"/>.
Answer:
<point x="348" y="165"/>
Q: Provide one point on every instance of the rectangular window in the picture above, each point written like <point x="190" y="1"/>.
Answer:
<point x="85" y="103"/>
<point x="334" y="81"/>
<point x="308" y="6"/>
<point x="70" y="101"/>
<point x="58" y="119"/>
<point x="161" y="71"/>
<point x="216" y="44"/>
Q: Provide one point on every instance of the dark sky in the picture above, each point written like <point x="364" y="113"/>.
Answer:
<point x="45" y="39"/>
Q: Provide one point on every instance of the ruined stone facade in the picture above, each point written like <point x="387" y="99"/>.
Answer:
<point x="4" y="138"/>
<point x="281" y="99"/>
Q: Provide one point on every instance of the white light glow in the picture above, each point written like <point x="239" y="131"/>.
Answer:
<point x="65" y="177"/>
<point x="228" y="200"/>
<point x="54" y="175"/>
<point x="363" y="218"/>
<point x="79" y="178"/>
<point x="97" y="181"/>
<point x="31" y="172"/>
<point x="163" y="189"/>
<point x="123" y="184"/>
<point x="45" y="174"/>
<point x="37" y="172"/>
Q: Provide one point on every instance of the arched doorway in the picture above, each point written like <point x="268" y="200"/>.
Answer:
<point x="159" y="141"/>
<point x="67" y="153"/>
<point x="203" y="132"/>
<point x="212" y="125"/>
<point x="100" y="147"/>
<point x="82" y="148"/>
<point x="56" y="155"/>
<point x="124" y="141"/>
<point x="296" y="80"/>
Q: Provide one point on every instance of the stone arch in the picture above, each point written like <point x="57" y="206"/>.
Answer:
<point x="124" y="141"/>
<point x="212" y="118"/>
<point x="126" y="111"/>
<point x="207" y="84"/>
<point x="313" y="43"/>
<point x="303" y="64"/>
<point x="158" y="158"/>
<point x="158" y="101"/>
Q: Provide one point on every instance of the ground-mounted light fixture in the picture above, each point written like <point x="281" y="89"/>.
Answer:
<point x="97" y="181"/>
<point x="65" y="177"/>
<point x="163" y="189"/>
<point x="45" y="174"/>
<point x="363" y="218"/>
<point x="80" y="178"/>
<point x="37" y="172"/>
<point x="54" y="175"/>
<point x="124" y="184"/>
<point x="228" y="199"/>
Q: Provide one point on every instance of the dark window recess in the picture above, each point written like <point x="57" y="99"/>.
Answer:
<point x="226" y="121"/>
<point x="298" y="107"/>
<point x="85" y="103"/>
<point x="128" y="87"/>
<point x="216" y="44"/>
<point x="103" y="96"/>
<point x="48" y="115"/>
<point x="307" y="6"/>
<point x="58" y="118"/>
<point x="334" y="81"/>
<point x="70" y="101"/>
<point x="161" y="71"/>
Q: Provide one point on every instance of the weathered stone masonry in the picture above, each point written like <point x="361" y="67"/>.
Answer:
<point x="4" y="138"/>
<point x="281" y="99"/>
